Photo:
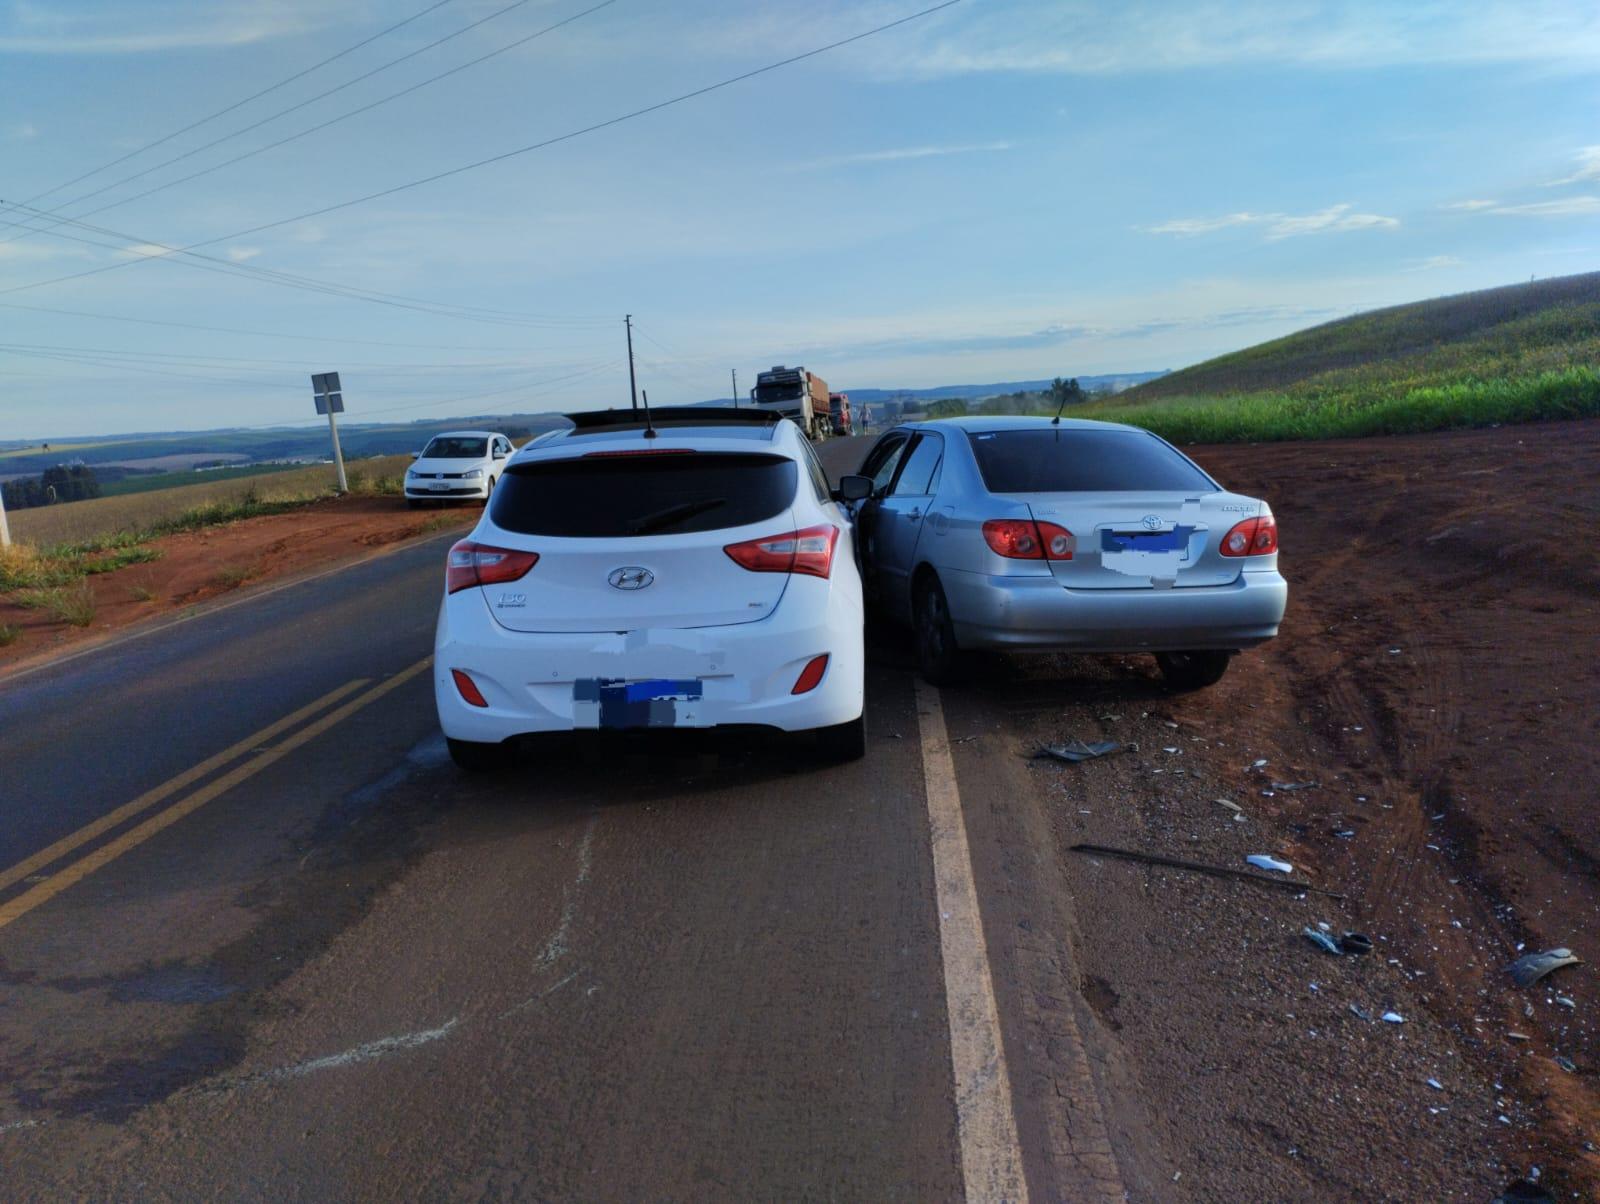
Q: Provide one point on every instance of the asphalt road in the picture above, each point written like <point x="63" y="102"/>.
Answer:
<point x="260" y="940"/>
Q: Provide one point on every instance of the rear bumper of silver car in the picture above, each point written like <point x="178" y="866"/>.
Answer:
<point x="1038" y="614"/>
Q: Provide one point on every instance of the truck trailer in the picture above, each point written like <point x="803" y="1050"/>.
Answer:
<point x="798" y="395"/>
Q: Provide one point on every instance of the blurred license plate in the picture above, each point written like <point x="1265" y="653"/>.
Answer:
<point x="662" y="702"/>
<point x="441" y="486"/>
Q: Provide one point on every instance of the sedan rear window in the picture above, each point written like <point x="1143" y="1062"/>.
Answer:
<point x="631" y="496"/>
<point x="1064" y="460"/>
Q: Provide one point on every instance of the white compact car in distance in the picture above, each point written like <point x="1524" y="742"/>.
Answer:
<point x="457" y="465"/>
<point x="696" y="574"/>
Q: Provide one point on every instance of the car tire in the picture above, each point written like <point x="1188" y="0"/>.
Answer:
<point x="938" y="656"/>
<point x="1193" y="670"/>
<point x="488" y="491"/>
<point x="478" y="758"/>
<point x="413" y="504"/>
<point x="843" y="742"/>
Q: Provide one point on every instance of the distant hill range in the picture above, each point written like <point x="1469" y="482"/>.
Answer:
<point x="157" y="451"/>
<point x="1094" y="384"/>
<point x="1514" y="331"/>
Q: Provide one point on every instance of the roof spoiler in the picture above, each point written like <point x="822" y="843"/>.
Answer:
<point x="596" y="420"/>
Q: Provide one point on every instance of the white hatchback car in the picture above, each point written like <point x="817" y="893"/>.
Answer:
<point x="457" y="465"/>
<point x="694" y="573"/>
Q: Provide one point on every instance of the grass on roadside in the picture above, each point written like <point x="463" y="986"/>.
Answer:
<point x="73" y="604"/>
<point x="9" y="634"/>
<point x="236" y="575"/>
<point x="1572" y="392"/>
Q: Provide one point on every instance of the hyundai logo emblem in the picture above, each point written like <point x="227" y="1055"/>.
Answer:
<point x="1152" y="522"/>
<point x="630" y="577"/>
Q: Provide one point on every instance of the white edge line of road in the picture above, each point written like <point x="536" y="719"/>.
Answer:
<point x="205" y="610"/>
<point x="991" y="1157"/>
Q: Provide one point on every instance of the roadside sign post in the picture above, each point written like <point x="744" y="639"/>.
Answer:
<point x="735" y="372"/>
<point x="330" y="401"/>
<point x="5" y="530"/>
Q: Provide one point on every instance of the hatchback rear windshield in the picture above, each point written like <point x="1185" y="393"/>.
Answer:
<point x="1063" y="460"/>
<point x="454" y="447"/>
<point x="605" y="497"/>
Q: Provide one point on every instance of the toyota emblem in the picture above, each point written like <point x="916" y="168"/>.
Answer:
<point x="630" y="577"/>
<point x="1152" y="522"/>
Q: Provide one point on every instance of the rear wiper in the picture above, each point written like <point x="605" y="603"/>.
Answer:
<point x="672" y="514"/>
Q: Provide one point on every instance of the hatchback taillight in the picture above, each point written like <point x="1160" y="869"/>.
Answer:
<point x="1024" y="539"/>
<point x="1253" y="537"/>
<point x="809" y="551"/>
<point x="471" y="564"/>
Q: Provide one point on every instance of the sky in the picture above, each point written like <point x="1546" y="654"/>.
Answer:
<point x="997" y="190"/>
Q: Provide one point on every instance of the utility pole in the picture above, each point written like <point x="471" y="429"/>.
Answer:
<point x="330" y="401"/>
<point x="633" y="384"/>
<point x="735" y="388"/>
<point x="5" y="531"/>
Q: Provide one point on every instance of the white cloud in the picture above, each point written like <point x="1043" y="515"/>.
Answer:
<point x="1572" y="206"/>
<point x="1434" y="263"/>
<point x="1469" y="206"/>
<point x="1282" y="225"/>
<point x="900" y="154"/>
<point x="21" y="131"/>
<point x="144" y="250"/>
<point x="1588" y="167"/>
<point x="119" y="27"/>
<point x="240" y="254"/>
<point x="1058" y="36"/>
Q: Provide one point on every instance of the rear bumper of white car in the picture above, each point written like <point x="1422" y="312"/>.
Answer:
<point x="1038" y="614"/>
<point x="742" y="674"/>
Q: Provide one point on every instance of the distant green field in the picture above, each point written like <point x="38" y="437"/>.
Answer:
<point x="102" y="518"/>
<point x="1518" y="354"/>
<point x="145" y="482"/>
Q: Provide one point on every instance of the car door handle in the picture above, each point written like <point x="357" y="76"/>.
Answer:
<point x="914" y="515"/>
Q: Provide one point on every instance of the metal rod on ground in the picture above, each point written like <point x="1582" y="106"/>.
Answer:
<point x="633" y="384"/>
<point x="1221" y="871"/>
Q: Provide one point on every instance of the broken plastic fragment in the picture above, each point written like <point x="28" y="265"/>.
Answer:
<point x="1294" y="785"/>
<point x="1531" y="967"/>
<point x="1073" y="751"/>
<point x="1436" y="1084"/>
<point x="1566" y="1064"/>
<point x="1393" y="1018"/>
<point x="1322" y="941"/>
<point x="1362" y="1012"/>
<point x="1355" y="943"/>
<point x="1228" y="803"/>
<point x="1265" y="861"/>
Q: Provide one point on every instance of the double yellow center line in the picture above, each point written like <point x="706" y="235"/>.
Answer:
<point x="80" y="869"/>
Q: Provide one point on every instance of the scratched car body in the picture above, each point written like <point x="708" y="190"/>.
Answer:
<point x="1025" y="534"/>
<point x="698" y="573"/>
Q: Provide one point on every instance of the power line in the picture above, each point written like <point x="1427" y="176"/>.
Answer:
<point x="311" y="283"/>
<point x="260" y="334"/>
<point x="315" y="128"/>
<point x="548" y="142"/>
<point x="241" y="103"/>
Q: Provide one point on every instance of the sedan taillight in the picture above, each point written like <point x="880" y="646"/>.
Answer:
<point x="471" y="564"/>
<point x="809" y="551"/>
<point x="1253" y="537"/>
<point x="1024" y="539"/>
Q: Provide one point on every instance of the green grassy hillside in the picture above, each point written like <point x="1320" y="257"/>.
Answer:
<point x="1514" y="354"/>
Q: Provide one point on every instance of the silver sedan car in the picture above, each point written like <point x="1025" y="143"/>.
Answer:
<point x="1034" y="535"/>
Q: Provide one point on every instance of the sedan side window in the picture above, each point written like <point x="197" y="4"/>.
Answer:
<point x="885" y="458"/>
<point x="922" y="466"/>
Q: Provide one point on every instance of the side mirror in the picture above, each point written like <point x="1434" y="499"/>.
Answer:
<point x="854" y="489"/>
<point x="499" y="453"/>
<point x="416" y="455"/>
